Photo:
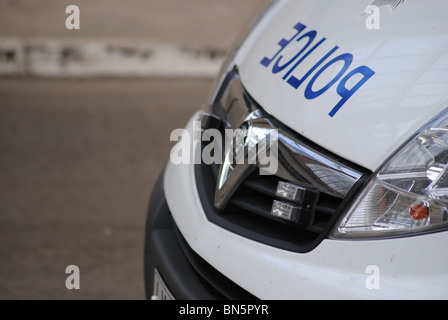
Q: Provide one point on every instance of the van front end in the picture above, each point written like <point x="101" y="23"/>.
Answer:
<point x="317" y="169"/>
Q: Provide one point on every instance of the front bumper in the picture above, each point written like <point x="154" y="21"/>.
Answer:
<point x="187" y="276"/>
<point x="409" y="268"/>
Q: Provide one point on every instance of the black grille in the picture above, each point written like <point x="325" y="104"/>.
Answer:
<point x="257" y="194"/>
<point x="331" y="180"/>
<point x="248" y="212"/>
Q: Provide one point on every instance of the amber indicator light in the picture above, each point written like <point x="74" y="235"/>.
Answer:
<point x="419" y="212"/>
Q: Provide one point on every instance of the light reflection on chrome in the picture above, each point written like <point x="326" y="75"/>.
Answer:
<point x="298" y="160"/>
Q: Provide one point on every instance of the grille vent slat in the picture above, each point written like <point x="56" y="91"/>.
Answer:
<point x="257" y="195"/>
<point x="248" y="212"/>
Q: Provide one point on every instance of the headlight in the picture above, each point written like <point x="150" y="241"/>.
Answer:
<point x="409" y="194"/>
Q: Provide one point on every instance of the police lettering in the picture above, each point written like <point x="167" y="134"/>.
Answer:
<point x="308" y="44"/>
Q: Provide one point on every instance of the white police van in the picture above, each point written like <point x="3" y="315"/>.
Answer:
<point x="357" y="206"/>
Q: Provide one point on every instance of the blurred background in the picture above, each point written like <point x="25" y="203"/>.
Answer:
<point x="85" y="120"/>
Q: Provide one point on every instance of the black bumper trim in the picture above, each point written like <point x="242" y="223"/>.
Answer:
<point x="186" y="274"/>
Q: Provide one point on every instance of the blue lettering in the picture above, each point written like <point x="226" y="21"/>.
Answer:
<point x="344" y="92"/>
<point x="303" y="58"/>
<point x="294" y="82"/>
<point x="311" y="36"/>
<point x="303" y="54"/>
<point x="283" y="44"/>
<point x="347" y="58"/>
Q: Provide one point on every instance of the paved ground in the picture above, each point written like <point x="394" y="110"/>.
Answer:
<point x="78" y="158"/>
<point x="77" y="163"/>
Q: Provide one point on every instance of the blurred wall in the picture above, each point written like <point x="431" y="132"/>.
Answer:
<point x="119" y="38"/>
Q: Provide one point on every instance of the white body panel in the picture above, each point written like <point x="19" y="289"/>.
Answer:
<point x="334" y="270"/>
<point x="409" y="58"/>
<point x="409" y="55"/>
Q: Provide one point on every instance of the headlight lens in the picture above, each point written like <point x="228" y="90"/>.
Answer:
<point x="409" y="194"/>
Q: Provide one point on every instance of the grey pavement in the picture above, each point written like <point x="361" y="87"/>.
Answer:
<point x="78" y="157"/>
<point x="78" y="160"/>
